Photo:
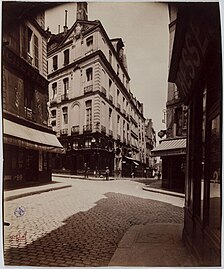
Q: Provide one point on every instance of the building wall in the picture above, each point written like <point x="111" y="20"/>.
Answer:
<point x="106" y="86"/>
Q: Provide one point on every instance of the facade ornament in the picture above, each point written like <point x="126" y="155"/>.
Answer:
<point x="78" y="31"/>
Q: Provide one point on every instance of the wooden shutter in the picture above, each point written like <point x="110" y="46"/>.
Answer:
<point x="36" y="52"/>
<point x="24" y="35"/>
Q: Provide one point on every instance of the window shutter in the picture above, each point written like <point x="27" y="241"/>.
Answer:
<point x="36" y="52"/>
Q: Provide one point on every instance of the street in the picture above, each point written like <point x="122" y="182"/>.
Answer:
<point x="81" y="225"/>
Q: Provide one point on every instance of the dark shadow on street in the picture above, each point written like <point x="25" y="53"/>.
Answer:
<point x="90" y="238"/>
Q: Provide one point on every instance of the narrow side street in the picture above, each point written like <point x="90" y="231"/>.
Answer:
<point x="81" y="225"/>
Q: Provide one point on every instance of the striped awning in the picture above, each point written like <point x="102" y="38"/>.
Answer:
<point x="27" y="137"/>
<point x="170" y="147"/>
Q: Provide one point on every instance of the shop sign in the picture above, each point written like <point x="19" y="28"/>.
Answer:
<point x="192" y="55"/>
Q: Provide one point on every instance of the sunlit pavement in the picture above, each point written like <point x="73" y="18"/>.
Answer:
<point x="81" y="225"/>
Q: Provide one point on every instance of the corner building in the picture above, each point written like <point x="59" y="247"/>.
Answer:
<point x="95" y="115"/>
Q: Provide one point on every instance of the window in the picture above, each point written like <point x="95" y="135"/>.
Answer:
<point x="53" y="123"/>
<point x="110" y="118"/>
<point x="53" y="113"/>
<point x="65" y="81"/>
<point x="118" y="125"/>
<point x="118" y="69"/>
<point x="89" y="74"/>
<point x="87" y="143"/>
<point x="54" y="90"/>
<point x="66" y="57"/>
<point x="110" y="83"/>
<point x="30" y="33"/>
<point x="65" y="115"/>
<point x="110" y="57"/>
<point x="55" y="62"/>
<point x="89" y="112"/>
<point x="36" y="52"/>
<point x="89" y="41"/>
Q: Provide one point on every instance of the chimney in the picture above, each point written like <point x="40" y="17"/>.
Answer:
<point x="66" y="19"/>
<point x="82" y="13"/>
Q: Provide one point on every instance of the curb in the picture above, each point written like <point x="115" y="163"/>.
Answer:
<point x="16" y="196"/>
<point x="176" y="194"/>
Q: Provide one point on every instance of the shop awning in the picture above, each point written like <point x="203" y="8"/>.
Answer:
<point x="27" y="137"/>
<point x="170" y="147"/>
<point x="132" y="159"/>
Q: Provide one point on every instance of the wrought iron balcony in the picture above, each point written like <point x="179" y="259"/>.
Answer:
<point x="87" y="128"/>
<point x="75" y="130"/>
<point x="103" y="91"/>
<point x="64" y="132"/>
<point x="103" y="129"/>
<point x="111" y="133"/>
<point x="64" y="97"/>
<point x="88" y="89"/>
<point x="111" y="98"/>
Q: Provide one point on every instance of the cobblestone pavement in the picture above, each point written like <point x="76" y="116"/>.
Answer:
<point x="81" y="225"/>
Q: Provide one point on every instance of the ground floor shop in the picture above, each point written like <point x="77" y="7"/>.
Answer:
<point x="28" y="154"/>
<point x="199" y="82"/>
<point x="173" y="155"/>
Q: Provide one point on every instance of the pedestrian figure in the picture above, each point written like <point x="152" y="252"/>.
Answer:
<point x="107" y="172"/>
<point x="85" y="170"/>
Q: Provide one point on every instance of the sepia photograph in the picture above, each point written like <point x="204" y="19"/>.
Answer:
<point x="111" y="134"/>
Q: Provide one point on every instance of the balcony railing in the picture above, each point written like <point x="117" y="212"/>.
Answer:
<point x="64" y="97"/>
<point x="64" y="132"/>
<point x="119" y="107"/>
<point x="111" y="98"/>
<point x="111" y="133"/>
<point x="87" y="128"/>
<point x="103" y="129"/>
<point x="75" y="130"/>
<point x="28" y="113"/>
<point x="88" y="89"/>
<point x="104" y="92"/>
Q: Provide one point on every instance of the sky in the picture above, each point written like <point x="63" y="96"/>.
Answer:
<point x="143" y="27"/>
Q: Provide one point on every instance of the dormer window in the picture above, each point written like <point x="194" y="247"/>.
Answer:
<point x="89" y="41"/>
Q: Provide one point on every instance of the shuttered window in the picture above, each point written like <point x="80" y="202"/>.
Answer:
<point x="36" y="52"/>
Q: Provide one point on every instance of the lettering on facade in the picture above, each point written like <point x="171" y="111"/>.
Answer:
<point x="192" y="55"/>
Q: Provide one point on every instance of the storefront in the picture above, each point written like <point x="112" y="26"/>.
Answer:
<point x="196" y="69"/>
<point x="173" y="155"/>
<point x="28" y="153"/>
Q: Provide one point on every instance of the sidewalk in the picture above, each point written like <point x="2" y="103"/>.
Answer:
<point x="150" y="245"/>
<point x="18" y="193"/>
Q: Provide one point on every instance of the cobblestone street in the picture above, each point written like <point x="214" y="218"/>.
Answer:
<point x="81" y="225"/>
